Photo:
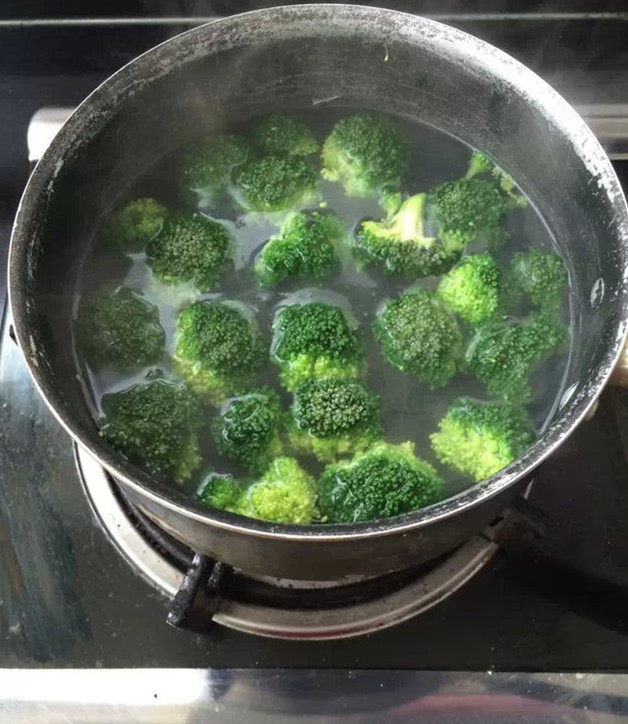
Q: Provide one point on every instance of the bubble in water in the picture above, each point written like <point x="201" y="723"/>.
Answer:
<point x="597" y="293"/>
<point x="567" y="395"/>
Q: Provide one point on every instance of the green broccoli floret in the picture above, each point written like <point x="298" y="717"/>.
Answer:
<point x="247" y="429"/>
<point x="219" y="349"/>
<point x="502" y="355"/>
<point x="481" y="165"/>
<point x="383" y="481"/>
<point x="481" y="438"/>
<point x="366" y="153"/>
<point x="540" y="274"/>
<point x="315" y="340"/>
<point x="472" y="289"/>
<point x="284" y="494"/>
<point x="155" y="424"/>
<point x="276" y="183"/>
<point x="191" y="249"/>
<point x="135" y="224"/>
<point x="119" y="327"/>
<point x="419" y="335"/>
<point x="220" y="491"/>
<point x="401" y="245"/>
<point x="333" y="417"/>
<point x="283" y="135"/>
<point x="305" y="247"/>
<point x="207" y="166"/>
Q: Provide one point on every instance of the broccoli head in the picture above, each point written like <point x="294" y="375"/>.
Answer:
<point x="276" y="183"/>
<point x="383" y="481"/>
<point x="502" y="355"/>
<point x="155" y="424"/>
<point x="247" y="429"/>
<point x="191" y="249"/>
<point x="366" y="153"/>
<point x="481" y="165"/>
<point x="419" y="335"/>
<point x="284" y="494"/>
<point x="119" y="327"/>
<point x="219" y="349"/>
<point x="305" y="247"/>
<point x="481" y="438"/>
<point x="401" y="245"/>
<point x="472" y="288"/>
<point x="315" y="340"/>
<point x="283" y="135"/>
<point x="333" y="417"/>
<point x="540" y="274"/>
<point x="220" y="491"/>
<point x="135" y="224"/>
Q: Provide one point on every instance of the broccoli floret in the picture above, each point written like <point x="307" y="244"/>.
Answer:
<point x="366" y="153"/>
<point x="207" y="166"/>
<point x="119" y="327"/>
<point x="332" y="417"/>
<point x="481" y="165"/>
<point x="155" y="424"/>
<point x="401" y="245"/>
<point x="191" y="249"/>
<point x="305" y="247"/>
<point x="218" y="349"/>
<point x="220" y="491"/>
<point x="383" y="481"/>
<point x="276" y="183"/>
<point x="315" y="340"/>
<point x="472" y="288"/>
<point x="481" y="438"/>
<point x="247" y="429"/>
<point x="284" y="494"/>
<point x="540" y="274"/>
<point x="135" y="224"/>
<point x="502" y="355"/>
<point x="283" y="135"/>
<point x="419" y="335"/>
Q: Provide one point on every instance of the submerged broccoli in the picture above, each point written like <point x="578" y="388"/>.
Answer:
<point x="276" y="183"/>
<point x="191" y="249"/>
<point x="502" y="355"/>
<point x="366" y="153"/>
<point x="119" y="327"/>
<point x="315" y="340"/>
<point x="135" y="224"/>
<point x="332" y="417"/>
<point x="418" y="335"/>
<point x="540" y="274"/>
<point x="283" y="135"/>
<point x="472" y="288"/>
<point x="247" y="429"/>
<point x="481" y="165"/>
<point x="220" y="491"/>
<point x="305" y="247"/>
<point x="218" y="349"/>
<point x="155" y="424"/>
<point x="481" y="438"/>
<point x="383" y="481"/>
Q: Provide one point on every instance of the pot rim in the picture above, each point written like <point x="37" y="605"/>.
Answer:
<point x="97" y="108"/>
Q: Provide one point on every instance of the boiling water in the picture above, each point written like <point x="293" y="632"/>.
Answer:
<point x="409" y="411"/>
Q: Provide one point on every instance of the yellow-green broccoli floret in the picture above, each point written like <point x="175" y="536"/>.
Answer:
<point x="305" y="247"/>
<point x="119" y="327"/>
<point x="333" y="417"/>
<point x="472" y="288"/>
<point x="502" y="355"/>
<point x="219" y="349"/>
<point x="540" y="274"/>
<point x="481" y="438"/>
<point x="283" y="135"/>
<point x="315" y="340"/>
<point x="419" y="335"/>
<point x="155" y="424"/>
<point x="248" y="429"/>
<point x="383" y="481"/>
<point x="220" y="491"/>
<point x="133" y="225"/>
<point x="366" y="153"/>
<point x="276" y="183"/>
<point x="191" y="249"/>
<point x="481" y="165"/>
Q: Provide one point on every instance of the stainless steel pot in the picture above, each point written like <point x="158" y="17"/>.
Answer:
<point x="300" y="57"/>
